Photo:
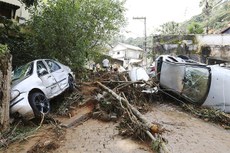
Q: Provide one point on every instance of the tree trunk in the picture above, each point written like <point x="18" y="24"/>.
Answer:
<point x="141" y="117"/>
<point x="5" y="80"/>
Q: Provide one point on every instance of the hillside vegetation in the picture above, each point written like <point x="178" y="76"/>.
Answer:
<point x="218" y="19"/>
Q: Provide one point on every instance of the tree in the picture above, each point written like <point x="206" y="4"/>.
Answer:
<point x="208" y="6"/>
<point x="11" y="35"/>
<point x="216" y="21"/>
<point x="195" y="28"/>
<point x="70" y="30"/>
<point x="5" y="70"/>
<point x="30" y="3"/>
<point x="170" y="28"/>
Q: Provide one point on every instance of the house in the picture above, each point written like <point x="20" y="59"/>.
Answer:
<point x="126" y="53"/>
<point x="14" y="9"/>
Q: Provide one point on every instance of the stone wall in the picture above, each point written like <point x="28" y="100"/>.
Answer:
<point x="209" y="49"/>
<point x="175" y="45"/>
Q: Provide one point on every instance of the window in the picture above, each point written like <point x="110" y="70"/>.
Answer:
<point x="196" y="83"/>
<point x="53" y="66"/>
<point x="8" y="10"/>
<point x="23" y="71"/>
<point x="41" y="68"/>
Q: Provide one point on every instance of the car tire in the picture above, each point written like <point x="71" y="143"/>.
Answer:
<point x="71" y="84"/>
<point x="39" y="103"/>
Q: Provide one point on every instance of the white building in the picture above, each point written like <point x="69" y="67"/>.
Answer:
<point x="127" y="54"/>
<point x="14" y="9"/>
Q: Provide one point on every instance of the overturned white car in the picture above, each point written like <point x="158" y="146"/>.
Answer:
<point x="34" y="83"/>
<point x="206" y="85"/>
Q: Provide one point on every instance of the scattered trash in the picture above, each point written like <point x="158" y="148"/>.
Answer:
<point x="138" y="73"/>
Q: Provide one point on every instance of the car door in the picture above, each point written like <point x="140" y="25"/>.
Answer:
<point x="60" y="75"/>
<point x="47" y="80"/>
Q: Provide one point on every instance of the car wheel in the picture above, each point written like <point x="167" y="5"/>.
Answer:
<point x="39" y="103"/>
<point x="71" y="84"/>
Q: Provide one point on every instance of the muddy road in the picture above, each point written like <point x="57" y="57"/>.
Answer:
<point x="185" y="133"/>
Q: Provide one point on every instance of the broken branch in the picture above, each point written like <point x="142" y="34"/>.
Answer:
<point x="137" y="114"/>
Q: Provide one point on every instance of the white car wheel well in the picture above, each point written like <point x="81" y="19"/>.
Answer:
<point x="35" y="90"/>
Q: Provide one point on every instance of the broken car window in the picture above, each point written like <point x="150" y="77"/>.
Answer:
<point x="22" y="71"/>
<point x="41" y="66"/>
<point x="196" y="83"/>
<point x="52" y="65"/>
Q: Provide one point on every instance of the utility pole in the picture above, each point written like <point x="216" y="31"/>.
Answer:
<point x="145" y="41"/>
<point x="143" y="18"/>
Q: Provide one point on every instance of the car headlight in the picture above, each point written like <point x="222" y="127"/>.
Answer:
<point x="14" y="94"/>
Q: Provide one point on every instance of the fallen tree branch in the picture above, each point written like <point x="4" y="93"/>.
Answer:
<point x="137" y="114"/>
<point x="126" y="103"/>
<point x="132" y="82"/>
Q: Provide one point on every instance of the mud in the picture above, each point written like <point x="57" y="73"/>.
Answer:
<point x="185" y="133"/>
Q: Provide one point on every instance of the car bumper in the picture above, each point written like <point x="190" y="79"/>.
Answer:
<point x="21" y="105"/>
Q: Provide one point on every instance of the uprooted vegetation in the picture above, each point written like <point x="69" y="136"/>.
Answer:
<point x="114" y="98"/>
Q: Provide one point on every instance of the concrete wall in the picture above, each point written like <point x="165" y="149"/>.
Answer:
<point x="213" y="40"/>
<point x="218" y="46"/>
<point x="175" y="45"/>
<point x="203" y="48"/>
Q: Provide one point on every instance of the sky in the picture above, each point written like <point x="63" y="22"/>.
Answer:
<point x="157" y="12"/>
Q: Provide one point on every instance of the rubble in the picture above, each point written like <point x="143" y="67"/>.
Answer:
<point x="122" y="100"/>
<point x="209" y="114"/>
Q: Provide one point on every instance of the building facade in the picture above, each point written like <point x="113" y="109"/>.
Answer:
<point x="13" y="9"/>
<point x="126" y="53"/>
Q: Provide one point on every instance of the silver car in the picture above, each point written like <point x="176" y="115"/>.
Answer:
<point x="34" y="83"/>
<point x="207" y="85"/>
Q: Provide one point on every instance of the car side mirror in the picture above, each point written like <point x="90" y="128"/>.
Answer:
<point x="42" y="71"/>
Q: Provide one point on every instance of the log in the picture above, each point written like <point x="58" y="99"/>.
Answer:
<point x="136" y="113"/>
<point x="132" y="82"/>
<point x="126" y="102"/>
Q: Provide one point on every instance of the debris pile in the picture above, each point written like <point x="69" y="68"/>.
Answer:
<point x="68" y="101"/>
<point x="124" y="101"/>
<point x="209" y="114"/>
<point x="114" y="97"/>
<point x="117" y="98"/>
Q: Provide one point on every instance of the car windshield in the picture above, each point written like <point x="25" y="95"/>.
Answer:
<point x="196" y="83"/>
<point x="22" y="71"/>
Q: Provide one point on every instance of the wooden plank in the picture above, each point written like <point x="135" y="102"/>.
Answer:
<point x="83" y="114"/>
